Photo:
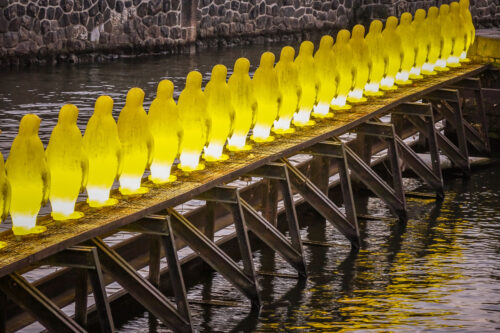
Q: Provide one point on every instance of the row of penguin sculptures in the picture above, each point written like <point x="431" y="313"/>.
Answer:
<point x="203" y="121"/>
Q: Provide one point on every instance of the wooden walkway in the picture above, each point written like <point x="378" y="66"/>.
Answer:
<point x="20" y="253"/>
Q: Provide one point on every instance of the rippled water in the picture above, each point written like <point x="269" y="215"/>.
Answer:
<point x="440" y="273"/>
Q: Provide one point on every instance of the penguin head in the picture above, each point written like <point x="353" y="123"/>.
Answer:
<point x="306" y="48"/>
<point x="405" y="19"/>
<point x="29" y="125"/>
<point x="464" y="5"/>
<point x="392" y="23"/>
<point x="287" y="54"/>
<point x="135" y="97"/>
<point x="165" y="89"/>
<point x="267" y="60"/>
<point x="358" y="32"/>
<point x="419" y="15"/>
<point x="343" y="36"/>
<point x="103" y="106"/>
<point x="242" y="66"/>
<point x="219" y="73"/>
<point x="444" y="10"/>
<point x="68" y="115"/>
<point x="326" y="42"/>
<point x="433" y="12"/>
<point x="376" y="26"/>
<point x="455" y="9"/>
<point x="193" y="80"/>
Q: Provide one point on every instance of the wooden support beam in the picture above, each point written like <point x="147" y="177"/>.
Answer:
<point x="321" y="203"/>
<point x="37" y="304"/>
<point x="214" y="256"/>
<point x="140" y="288"/>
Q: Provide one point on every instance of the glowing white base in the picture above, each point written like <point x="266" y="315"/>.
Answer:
<point x="415" y="71"/>
<point x="356" y="93"/>
<point x="237" y="141"/>
<point x="213" y="151"/>
<point x="387" y="83"/>
<point x="339" y="101"/>
<point x="99" y="197"/>
<point x="321" y="110"/>
<point x="261" y="133"/>
<point x="64" y="210"/>
<point x="189" y="161"/>
<point x="463" y="55"/>
<point x="453" y="61"/>
<point x="23" y="224"/>
<point x="302" y="117"/>
<point x="131" y="184"/>
<point x="372" y="87"/>
<point x="282" y="125"/>
<point x="160" y="173"/>
<point x="441" y="66"/>
<point x="428" y="69"/>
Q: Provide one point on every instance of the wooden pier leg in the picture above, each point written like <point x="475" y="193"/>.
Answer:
<point x="209" y="226"/>
<point x="270" y="202"/>
<point x="319" y="173"/>
<point x="81" y="292"/>
<point x="154" y="260"/>
<point x="3" y="314"/>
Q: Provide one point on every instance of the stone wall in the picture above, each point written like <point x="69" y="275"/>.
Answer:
<point x="34" y="31"/>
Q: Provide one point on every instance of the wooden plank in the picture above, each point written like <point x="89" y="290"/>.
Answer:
<point x="19" y="254"/>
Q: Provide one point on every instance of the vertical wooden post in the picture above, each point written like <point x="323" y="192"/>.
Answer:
<point x="81" y="288"/>
<point x="154" y="260"/>
<point x="270" y="202"/>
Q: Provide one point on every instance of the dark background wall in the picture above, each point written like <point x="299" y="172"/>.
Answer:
<point x="40" y="31"/>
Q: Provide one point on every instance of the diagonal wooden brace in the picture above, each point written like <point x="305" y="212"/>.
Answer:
<point x="84" y="257"/>
<point x="321" y="203"/>
<point x="37" y="304"/>
<point x="140" y="288"/>
<point x="214" y="256"/>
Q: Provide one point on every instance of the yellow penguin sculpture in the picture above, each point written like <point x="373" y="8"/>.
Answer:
<point x="407" y="35"/>
<point x="459" y="35"/>
<point x="288" y="80"/>
<point x="164" y="123"/>
<point x="5" y="194"/>
<point x="433" y="37"/>
<point x="393" y="54"/>
<point x="244" y="105"/>
<point x="445" y="25"/>
<point x="420" y="44"/>
<point x="267" y="93"/>
<point x="137" y="143"/>
<point x="29" y="177"/>
<point x="376" y="63"/>
<point x="68" y="165"/>
<point x="361" y="59"/>
<point x="325" y="65"/>
<point x="306" y="68"/>
<point x="220" y="114"/>
<point x="469" y="28"/>
<point x="103" y="149"/>
<point x="192" y="106"/>
<point x="342" y="52"/>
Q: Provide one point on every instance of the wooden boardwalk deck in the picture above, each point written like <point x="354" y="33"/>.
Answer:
<point x="21" y="253"/>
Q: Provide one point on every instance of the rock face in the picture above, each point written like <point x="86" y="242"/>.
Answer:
<point x="39" y="31"/>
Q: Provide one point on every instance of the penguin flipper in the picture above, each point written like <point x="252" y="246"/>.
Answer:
<point x="119" y="157"/>
<point x="150" y="145"/>
<point x="46" y="186"/>
<point x="6" y="204"/>
<point x="85" y="173"/>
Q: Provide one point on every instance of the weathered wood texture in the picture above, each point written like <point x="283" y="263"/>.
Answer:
<point x="21" y="253"/>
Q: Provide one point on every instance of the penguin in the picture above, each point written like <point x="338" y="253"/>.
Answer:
<point x="68" y="165"/>
<point x="459" y="35"/>
<point x="325" y="65"/>
<point x="267" y="93"/>
<point x="361" y="57"/>
<point x="393" y="54"/>
<point x="137" y="143"/>
<point x="244" y="105"/>
<point x="407" y="36"/>
<point x="5" y="194"/>
<point x="420" y="45"/>
<point x="288" y="80"/>
<point x="29" y="177"/>
<point x="446" y="37"/>
<point x="376" y="63"/>
<point x="220" y="114"/>
<point x="433" y="37"/>
<point x="308" y="82"/>
<point x="192" y="105"/>
<point x="102" y="146"/>
<point x="469" y="28"/>
<point x="164" y="123"/>
<point x="342" y="52"/>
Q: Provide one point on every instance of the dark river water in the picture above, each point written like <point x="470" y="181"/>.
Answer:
<point x="440" y="272"/>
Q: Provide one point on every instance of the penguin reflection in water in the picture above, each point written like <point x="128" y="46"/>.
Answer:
<point x="137" y="143"/>
<point x="192" y="106"/>
<point x="164" y="123"/>
<point x="29" y="177"/>
<point x="220" y="114"/>
<point x="68" y="165"/>
<point x="5" y="194"/>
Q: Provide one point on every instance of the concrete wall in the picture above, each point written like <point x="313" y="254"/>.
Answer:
<point x="34" y="31"/>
